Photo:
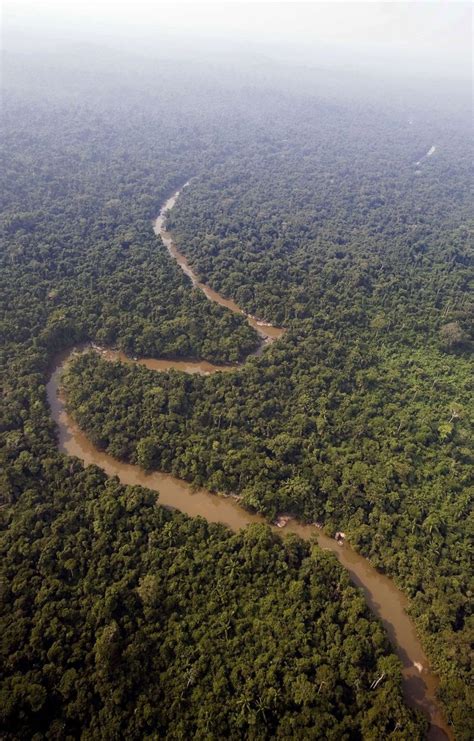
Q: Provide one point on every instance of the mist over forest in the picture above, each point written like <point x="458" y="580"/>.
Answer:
<point x="322" y="157"/>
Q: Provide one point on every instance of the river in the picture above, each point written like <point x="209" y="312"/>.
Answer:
<point x="385" y="600"/>
<point x="264" y="329"/>
<point x="429" y="153"/>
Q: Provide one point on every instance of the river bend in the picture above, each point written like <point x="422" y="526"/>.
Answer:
<point x="385" y="600"/>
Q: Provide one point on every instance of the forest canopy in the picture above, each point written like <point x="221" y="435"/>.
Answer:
<point x="119" y="618"/>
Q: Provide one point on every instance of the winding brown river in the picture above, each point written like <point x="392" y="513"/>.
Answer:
<point x="382" y="596"/>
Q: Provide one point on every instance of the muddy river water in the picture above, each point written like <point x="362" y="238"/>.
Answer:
<point x="382" y="596"/>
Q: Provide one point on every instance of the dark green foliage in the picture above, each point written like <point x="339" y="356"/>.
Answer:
<point x="123" y="620"/>
<point x="330" y="220"/>
<point x="334" y="231"/>
<point x="84" y="262"/>
<point x="361" y="415"/>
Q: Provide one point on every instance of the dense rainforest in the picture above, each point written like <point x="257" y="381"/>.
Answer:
<point x="129" y="621"/>
<point x="121" y="619"/>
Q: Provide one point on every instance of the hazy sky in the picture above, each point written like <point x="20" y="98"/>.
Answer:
<point x="421" y="38"/>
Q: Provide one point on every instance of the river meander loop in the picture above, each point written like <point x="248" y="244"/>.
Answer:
<point x="385" y="600"/>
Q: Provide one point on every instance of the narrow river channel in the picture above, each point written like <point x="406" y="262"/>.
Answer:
<point x="384" y="599"/>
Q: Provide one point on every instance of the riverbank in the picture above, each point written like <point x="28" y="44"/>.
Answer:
<point x="383" y="598"/>
<point x="267" y="331"/>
